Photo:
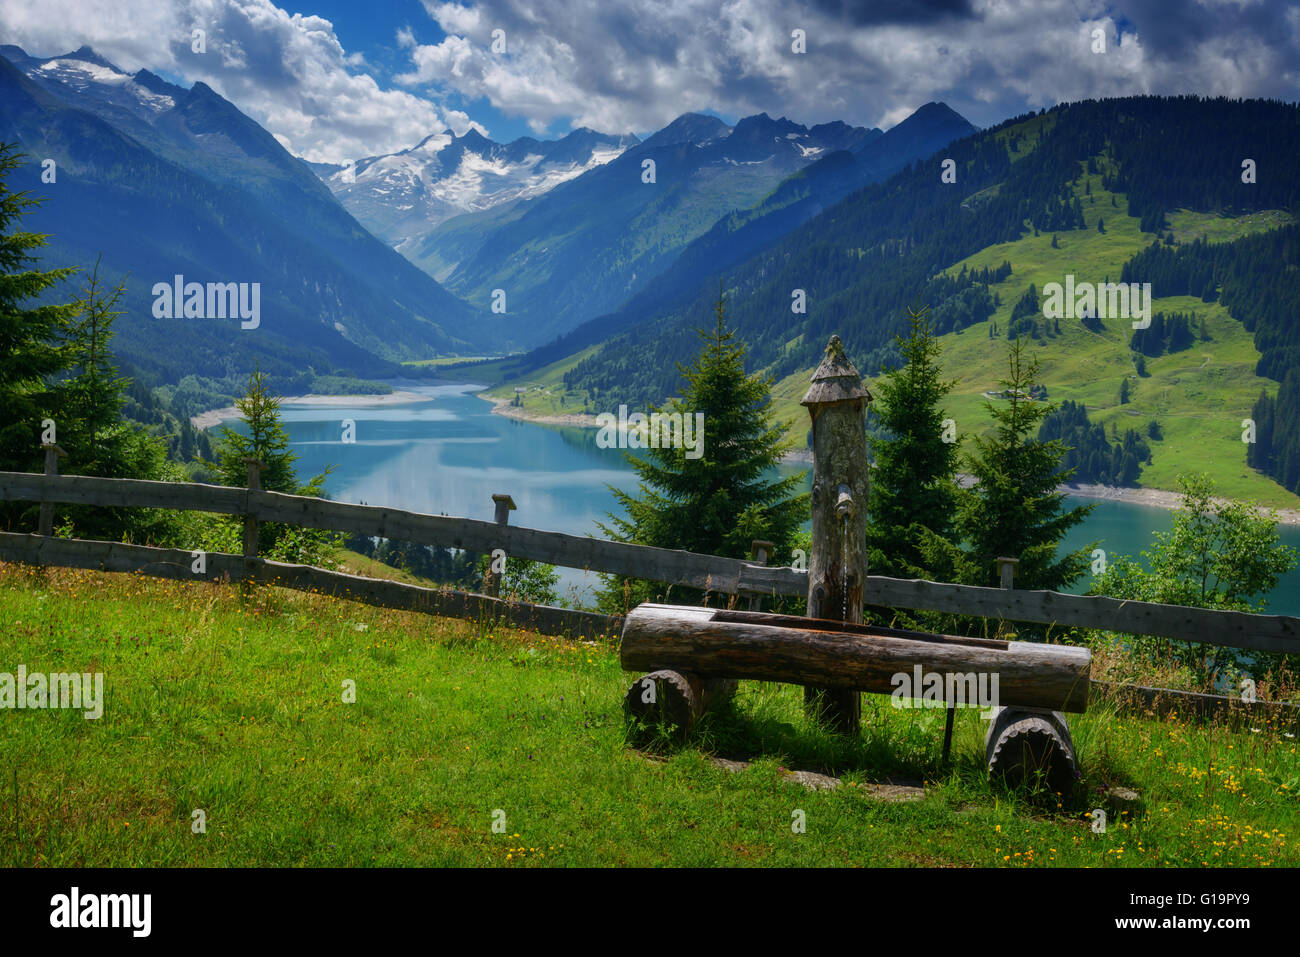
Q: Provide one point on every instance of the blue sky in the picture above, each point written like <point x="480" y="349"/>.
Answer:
<point x="370" y="28"/>
<point x="335" y="80"/>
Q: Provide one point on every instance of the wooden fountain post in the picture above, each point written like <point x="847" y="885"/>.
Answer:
<point x="837" y="566"/>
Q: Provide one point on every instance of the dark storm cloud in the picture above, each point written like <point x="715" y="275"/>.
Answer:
<point x="1176" y="29"/>
<point x="864" y="13"/>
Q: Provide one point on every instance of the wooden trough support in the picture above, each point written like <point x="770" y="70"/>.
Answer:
<point x="837" y="562"/>
<point x="685" y="647"/>
<point x="1022" y="743"/>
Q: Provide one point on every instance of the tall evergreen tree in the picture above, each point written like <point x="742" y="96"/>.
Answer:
<point x="32" y="346"/>
<point x="266" y="440"/>
<point x="1014" y="509"/>
<point x="97" y="439"/>
<point x="720" y="502"/>
<point x="914" y="458"/>
<point x="92" y="429"/>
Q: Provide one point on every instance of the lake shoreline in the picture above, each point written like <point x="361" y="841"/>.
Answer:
<point x="1149" y="497"/>
<point x="502" y="407"/>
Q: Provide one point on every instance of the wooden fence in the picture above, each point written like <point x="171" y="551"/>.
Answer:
<point x="1263" y="633"/>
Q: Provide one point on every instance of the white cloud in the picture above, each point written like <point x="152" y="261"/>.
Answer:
<point x="288" y="72"/>
<point x="621" y="65"/>
<point x="625" y="64"/>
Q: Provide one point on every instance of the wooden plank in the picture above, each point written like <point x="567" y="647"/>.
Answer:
<point x="435" y="601"/>
<point x="708" y="572"/>
<point x="177" y="564"/>
<point x="690" y="640"/>
<point x="172" y="563"/>
<point x="1211" y="626"/>
<point x="89" y="490"/>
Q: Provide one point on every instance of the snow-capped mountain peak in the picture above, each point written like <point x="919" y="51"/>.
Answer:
<point x="88" y="74"/>
<point x="403" y="196"/>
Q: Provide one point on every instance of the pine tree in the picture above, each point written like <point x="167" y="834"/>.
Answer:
<point x="94" y="434"/>
<point x="92" y="429"/>
<point x="913" y="476"/>
<point x="268" y="442"/>
<point x="1014" y="509"/>
<point x="32" y="350"/>
<point x="1123" y="391"/>
<point x="188" y="446"/>
<point x="721" y="501"/>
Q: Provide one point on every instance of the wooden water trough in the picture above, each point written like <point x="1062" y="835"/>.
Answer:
<point x="694" y="655"/>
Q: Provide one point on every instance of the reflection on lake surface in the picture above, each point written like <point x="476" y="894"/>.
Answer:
<point x="447" y="454"/>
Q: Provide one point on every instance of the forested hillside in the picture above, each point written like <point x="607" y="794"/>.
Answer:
<point x="885" y="246"/>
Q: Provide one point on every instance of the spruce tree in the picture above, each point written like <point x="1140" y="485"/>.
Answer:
<point x="720" y="502"/>
<point x="913" y="476"/>
<point x="92" y="429"/>
<point x="32" y="346"/>
<point x="266" y="440"/>
<point x="95" y="436"/>
<point x="1014" y="509"/>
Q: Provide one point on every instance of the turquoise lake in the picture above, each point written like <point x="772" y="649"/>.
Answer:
<point x="447" y="454"/>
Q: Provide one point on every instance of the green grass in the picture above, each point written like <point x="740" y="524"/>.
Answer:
<point x="234" y="706"/>
<point x="445" y="360"/>
<point x="544" y="392"/>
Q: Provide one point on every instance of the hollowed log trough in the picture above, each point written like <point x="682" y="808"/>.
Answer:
<point x="694" y="656"/>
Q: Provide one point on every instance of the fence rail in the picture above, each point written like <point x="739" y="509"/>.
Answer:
<point x="1272" y="633"/>
<point x="177" y="564"/>
<point x="708" y="572"/>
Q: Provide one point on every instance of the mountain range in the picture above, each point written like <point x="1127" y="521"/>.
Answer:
<point x="167" y="181"/>
<point x="401" y="197"/>
<point x="580" y="249"/>
<point x="606" y="251"/>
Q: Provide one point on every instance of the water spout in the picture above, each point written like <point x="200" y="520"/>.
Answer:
<point x="844" y="504"/>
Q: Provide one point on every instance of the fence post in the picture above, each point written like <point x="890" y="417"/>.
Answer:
<point x="1006" y="572"/>
<point x="504" y="506"/>
<point x="1022" y="742"/>
<point x="1007" y="568"/>
<point x="760" y="551"/>
<point x="250" y="518"/>
<point x="46" y="524"/>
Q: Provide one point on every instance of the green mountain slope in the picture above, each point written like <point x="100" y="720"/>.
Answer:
<point x="1171" y="165"/>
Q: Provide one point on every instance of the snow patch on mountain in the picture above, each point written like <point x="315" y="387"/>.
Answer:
<point x="404" y="196"/>
<point x="103" y="80"/>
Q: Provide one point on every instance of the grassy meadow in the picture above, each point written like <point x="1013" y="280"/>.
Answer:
<point x="233" y="704"/>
